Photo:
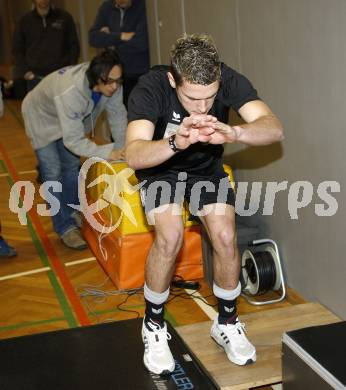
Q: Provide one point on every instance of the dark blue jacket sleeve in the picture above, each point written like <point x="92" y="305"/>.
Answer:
<point x="139" y="42"/>
<point x="101" y="39"/>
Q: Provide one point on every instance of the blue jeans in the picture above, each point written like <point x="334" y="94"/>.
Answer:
<point x="57" y="163"/>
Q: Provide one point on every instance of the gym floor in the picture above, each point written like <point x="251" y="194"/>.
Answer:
<point x="48" y="286"/>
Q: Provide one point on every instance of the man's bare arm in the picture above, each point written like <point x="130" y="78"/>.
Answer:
<point x="142" y="152"/>
<point x="262" y="127"/>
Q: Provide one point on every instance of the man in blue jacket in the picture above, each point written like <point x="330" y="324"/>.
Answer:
<point x="122" y="24"/>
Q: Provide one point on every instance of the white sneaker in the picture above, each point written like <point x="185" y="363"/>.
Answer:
<point x="232" y="338"/>
<point x="157" y="355"/>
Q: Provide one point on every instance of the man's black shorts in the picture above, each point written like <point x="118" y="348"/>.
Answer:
<point x="198" y="190"/>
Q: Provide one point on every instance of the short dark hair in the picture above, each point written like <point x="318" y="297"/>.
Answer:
<point x="195" y="59"/>
<point x="101" y="65"/>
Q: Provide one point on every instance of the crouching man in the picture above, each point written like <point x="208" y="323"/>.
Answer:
<point x="177" y="127"/>
<point x="59" y="113"/>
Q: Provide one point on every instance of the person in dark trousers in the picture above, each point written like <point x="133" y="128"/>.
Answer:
<point x="178" y="119"/>
<point x="45" y="39"/>
<point x="1" y="101"/>
<point x="5" y="249"/>
<point x="122" y="24"/>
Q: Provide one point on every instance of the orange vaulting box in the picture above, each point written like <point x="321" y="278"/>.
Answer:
<point x="122" y="252"/>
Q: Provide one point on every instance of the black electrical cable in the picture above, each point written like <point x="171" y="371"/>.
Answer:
<point x="120" y="308"/>
<point x="262" y="271"/>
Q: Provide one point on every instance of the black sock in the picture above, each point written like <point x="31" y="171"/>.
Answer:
<point x="227" y="311"/>
<point x="154" y="313"/>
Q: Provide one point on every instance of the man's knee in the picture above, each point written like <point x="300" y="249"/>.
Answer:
<point x="69" y="162"/>
<point x="49" y="163"/>
<point x="51" y="172"/>
<point x="224" y="241"/>
<point x="170" y="241"/>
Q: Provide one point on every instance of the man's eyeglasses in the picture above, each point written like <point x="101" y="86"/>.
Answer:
<point x="109" y="81"/>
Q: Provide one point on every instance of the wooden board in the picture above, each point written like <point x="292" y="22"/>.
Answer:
<point x="265" y="330"/>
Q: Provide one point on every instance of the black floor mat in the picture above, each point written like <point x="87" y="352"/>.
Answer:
<point x="99" y="357"/>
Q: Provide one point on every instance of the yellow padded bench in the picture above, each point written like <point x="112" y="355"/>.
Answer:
<point x="122" y="252"/>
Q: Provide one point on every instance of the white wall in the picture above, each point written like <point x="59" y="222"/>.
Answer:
<point x="294" y="53"/>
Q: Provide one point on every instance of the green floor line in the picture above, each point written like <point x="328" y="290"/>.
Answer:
<point x="44" y="260"/>
<point x="53" y="279"/>
<point x="2" y="166"/>
<point x="30" y="324"/>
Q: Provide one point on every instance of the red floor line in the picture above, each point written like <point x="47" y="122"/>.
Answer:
<point x="52" y="256"/>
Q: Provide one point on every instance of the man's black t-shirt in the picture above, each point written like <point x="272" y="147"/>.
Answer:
<point x="155" y="100"/>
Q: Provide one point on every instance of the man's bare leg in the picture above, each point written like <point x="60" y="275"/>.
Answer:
<point x="227" y="330"/>
<point x="159" y="270"/>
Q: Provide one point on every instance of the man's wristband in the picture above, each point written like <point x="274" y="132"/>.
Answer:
<point x="172" y="144"/>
